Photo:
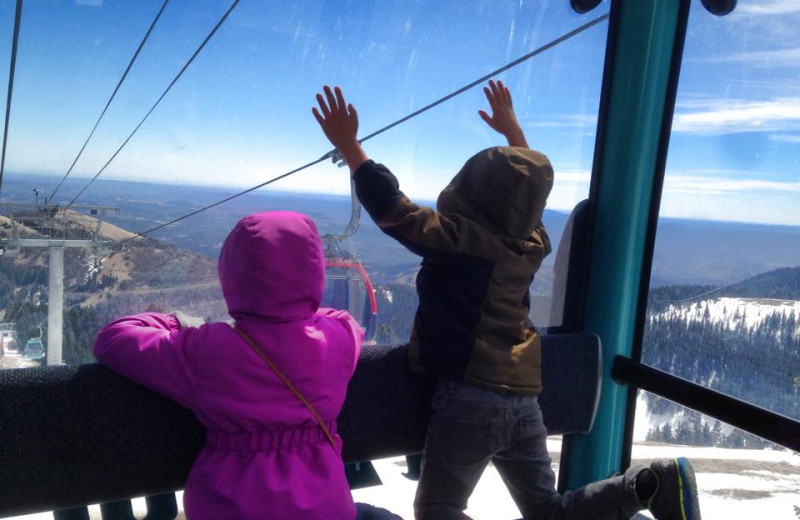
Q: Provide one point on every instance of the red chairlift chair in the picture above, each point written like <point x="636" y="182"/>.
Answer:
<point x="347" y="286"/>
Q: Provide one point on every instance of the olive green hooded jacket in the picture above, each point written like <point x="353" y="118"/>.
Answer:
<point x="480" y="250"/>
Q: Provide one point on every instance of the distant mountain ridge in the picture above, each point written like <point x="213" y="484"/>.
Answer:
<point x="176" y="269"/>
<point x="778" y="284"/>
<point x="781" y="284"/>
<point x="687" y="252"/>
<point x="140" y="266"/>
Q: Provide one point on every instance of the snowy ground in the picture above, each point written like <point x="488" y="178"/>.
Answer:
<point x="748" y="313"/>
<point x="733" y="484"/>
<point x="16" y="360"/>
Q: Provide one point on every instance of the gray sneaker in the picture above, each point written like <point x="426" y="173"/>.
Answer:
<point x="676" y="493"/>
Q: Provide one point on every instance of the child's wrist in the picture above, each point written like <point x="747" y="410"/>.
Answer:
<point x="353" y="155"/>
<point x="516" y="138"/>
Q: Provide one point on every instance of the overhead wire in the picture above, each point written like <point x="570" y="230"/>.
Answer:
<point x="113" y="94"/>
<point x="13" y="66"/>
<point x="27" y="297"/>
<point x="223" y="201"/>
<point x="333" y="154"/>
<point x="21" y="281"/>
<point x="700" y="295"/>
<point x="172" y="83"/>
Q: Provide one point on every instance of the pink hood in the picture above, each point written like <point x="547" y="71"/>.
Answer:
<point x="272" y="266"/>
<point x="265" y="455"/>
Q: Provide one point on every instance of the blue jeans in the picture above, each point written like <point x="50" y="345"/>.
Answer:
<point x="369" y="512"/>
<point x="471" y="426"/>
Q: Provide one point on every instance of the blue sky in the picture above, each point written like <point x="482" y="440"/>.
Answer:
<point x="241" y="113"/>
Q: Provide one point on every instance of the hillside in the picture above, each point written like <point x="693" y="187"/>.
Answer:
<point x="138" y="265"/>
<point x="123" y="276"/>
<point x="742" y="339"/>
<point x="780" y="284"/>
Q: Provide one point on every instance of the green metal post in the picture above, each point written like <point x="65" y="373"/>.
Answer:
<point x="638" y="85"/>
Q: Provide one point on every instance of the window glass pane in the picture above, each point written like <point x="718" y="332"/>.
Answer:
<point x="724" y="301"/>
<point x="238" y="117"/>
<point x="739" y="475"/>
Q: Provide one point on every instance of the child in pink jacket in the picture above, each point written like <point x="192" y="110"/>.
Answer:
<point x="265" y="454"/>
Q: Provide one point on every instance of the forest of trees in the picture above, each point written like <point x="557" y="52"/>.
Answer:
<point x="692" y="431"/>
<point x="760" y="365"/>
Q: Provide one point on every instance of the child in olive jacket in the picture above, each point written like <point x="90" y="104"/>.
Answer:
<point x="481" y="248"/>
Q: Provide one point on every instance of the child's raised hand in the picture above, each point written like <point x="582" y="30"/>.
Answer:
<point x="339" y="123"/>
<point x="503" y="118"/>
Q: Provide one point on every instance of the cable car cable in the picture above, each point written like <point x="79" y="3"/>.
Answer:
<point x="186" y="65"/>
<point x="334" y="155"/>
<point x="14" y="42"/>
<point x="116" y="89"/>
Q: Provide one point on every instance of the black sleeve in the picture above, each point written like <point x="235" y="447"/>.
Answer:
<point x="377" y="189"/>
<point x="421" y="229"/>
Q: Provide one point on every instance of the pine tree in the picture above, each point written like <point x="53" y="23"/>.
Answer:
<point x="716" y="434"/>
<point x="666" y="433"/>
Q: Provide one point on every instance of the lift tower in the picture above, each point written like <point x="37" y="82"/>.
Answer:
<point x="32" y="214"/>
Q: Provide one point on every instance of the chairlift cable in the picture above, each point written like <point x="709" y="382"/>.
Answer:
<point x="113" y="94"/>
<point x="22" y="280"/>
<point x="333" y="154"/>
<point x="27" y="297"/>
<point x="13" y="66"/>
<point x="236" y="195"/>
<point x="24" y="272"/>
<point x="706" y="293"/>
<point x="175" y="80"/>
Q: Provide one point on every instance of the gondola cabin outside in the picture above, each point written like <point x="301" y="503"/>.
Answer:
<point x="11" y="345"/>
<point x="34" y="349"/>
<point x="8" y="336"/>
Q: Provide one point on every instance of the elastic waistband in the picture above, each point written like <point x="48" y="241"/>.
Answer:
<point x="286" y="438"/>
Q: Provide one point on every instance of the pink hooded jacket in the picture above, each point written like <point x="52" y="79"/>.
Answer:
<point x="265" y="455"/>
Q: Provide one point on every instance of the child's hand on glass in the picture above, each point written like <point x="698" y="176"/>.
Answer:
<point x="503" y="118"/>
<point x="339" y="123"/>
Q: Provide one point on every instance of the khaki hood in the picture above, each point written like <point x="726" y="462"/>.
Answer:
<point x="503" y="188"/>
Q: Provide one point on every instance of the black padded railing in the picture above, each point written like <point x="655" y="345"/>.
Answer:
<point x="71" y="436"/>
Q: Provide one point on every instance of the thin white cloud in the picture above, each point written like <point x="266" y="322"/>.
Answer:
<point x="566" y="121"/>
<point x="573" y="176"/>
<point x="698" y="184"/>
<point x="730" y="117"/>
<point x="785" y="138"/>
<point x="760" y="59"/>
<point x="768" y="7"/>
